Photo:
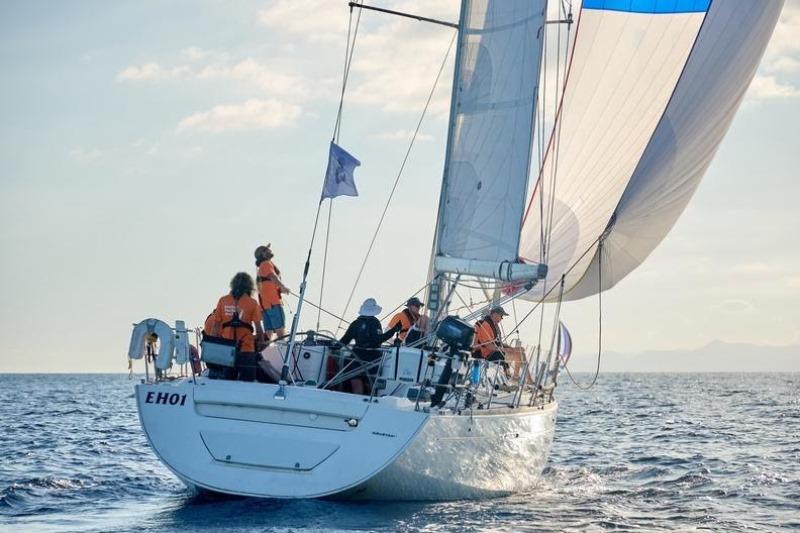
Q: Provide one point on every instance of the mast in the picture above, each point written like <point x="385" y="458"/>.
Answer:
<point x="489" y="143"/>
<point x="435" y="283"/>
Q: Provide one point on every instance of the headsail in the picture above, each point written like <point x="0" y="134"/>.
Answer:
<point x="491" y="128"/>
<point x="652" y="87"/>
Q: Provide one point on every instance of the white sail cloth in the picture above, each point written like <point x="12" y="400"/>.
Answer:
<point x="491" y="128"/>
<point x="649" y="95"/>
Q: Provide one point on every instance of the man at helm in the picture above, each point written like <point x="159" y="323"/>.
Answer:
<point x="409" y="320"/>
<point x="488" y="343"/>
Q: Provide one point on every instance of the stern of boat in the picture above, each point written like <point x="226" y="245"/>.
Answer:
<point x="249" y="439"/>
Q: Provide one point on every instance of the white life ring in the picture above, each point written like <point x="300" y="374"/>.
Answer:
<point x="165" y="336"/>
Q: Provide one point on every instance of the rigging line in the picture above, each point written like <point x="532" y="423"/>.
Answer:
<point x="557" y="145"/>
<point x="461" y="299"/>
<point x="542" y="122"/>
<point x="557" y="314"/>
<point x="545" y="295"/>
<point x="472" y="304"/>
<point x="514" y="309"/>
<point x="557" y="126"/>
<point x="600" y="323"/>
<point x="348" y="59"/>
<point x="541" y="316"/>
<point x="551" y="179"/>
<point x="387" y="315"/>
<point x="482" y="303"/>
<point x="397" y="179"/>
<point x="324" y="263"/>
<point x="315" y="306"/>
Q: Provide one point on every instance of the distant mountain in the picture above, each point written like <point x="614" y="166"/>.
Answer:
<point x="716" y="356"/>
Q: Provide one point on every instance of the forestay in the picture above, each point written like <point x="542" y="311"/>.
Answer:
<point x="491" y="127"/>
<point x="651" y="89"/>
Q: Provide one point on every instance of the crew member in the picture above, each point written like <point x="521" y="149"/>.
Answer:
<point x="270" y="289"/>
<point x="488" y="342"/>
<point x="211" y="326"/>
<point x="366" y="330"/>
<point x="408" y="318"/>
<point x="237" y="314"/>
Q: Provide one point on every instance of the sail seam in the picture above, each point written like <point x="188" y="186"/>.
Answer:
<point x="608" y="229"/>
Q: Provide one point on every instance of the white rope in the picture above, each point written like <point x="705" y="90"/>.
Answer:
<point x="396" y="182"/>
<point x="348" y="59"/>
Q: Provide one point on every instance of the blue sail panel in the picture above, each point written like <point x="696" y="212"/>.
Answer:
<point x="649" y="6"/>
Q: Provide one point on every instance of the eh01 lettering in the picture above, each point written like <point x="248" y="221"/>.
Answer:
<point x="165" y="398"/>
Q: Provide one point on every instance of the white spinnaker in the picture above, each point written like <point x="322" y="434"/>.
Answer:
<point x="622" y="73"/>
<point x="720" y="68"/>
<point x="491" y="129"/>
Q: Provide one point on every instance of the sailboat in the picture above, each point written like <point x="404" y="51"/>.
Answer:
<point x="649" y="90"/>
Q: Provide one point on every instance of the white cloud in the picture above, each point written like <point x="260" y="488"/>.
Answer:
<point x="757" y="268"/>
<point x="150" y="72"/>
<point x="143" y="145"/>
<point x="396" y="59"/>
<point x="85" y="155"/>
<point x="270" y="81"/>
<point x="768" y="88"/>
<point x="313" y="20"/>
<point x="783" y="54"/>
<point x="785" y="65"/>
<point x="734" y="307"/>
<point x="403" y="135"/>
<point x="253" y="114"/>
<point x="194" y="53"/>
<point x="784" y="39"/>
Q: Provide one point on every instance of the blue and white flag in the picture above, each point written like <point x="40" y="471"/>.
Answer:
<point x="339" y="180"/>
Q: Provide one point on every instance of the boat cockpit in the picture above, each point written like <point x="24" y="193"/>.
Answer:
<point x="435" y="372"/>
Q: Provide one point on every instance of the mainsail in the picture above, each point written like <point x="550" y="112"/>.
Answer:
<point x="491" y="128"/>
<point x="651" y="89"/>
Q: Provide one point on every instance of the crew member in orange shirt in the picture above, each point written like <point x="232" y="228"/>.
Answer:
<point x="270" y="289"/>
<point x="407" y="318"/>
<point x="237" y="314"/>
<point x="488" y="343"/>
<point x="211" y="326"/>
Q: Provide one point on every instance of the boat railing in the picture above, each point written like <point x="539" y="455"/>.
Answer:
<point x="482" y="384"/>
<point x="471" y="383"/>
<point x="476" y="382"/>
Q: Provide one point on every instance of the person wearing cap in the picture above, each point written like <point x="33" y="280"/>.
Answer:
<point x="488" y="343"/>
<point x="408" y="318"/>
<point x="368" y="334"/>
<point x="270" y="289"/>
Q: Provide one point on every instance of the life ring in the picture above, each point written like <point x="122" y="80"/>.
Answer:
<point x="165" y="336"/>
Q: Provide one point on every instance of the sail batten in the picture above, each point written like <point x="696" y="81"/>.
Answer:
<point x="491" y="129"/>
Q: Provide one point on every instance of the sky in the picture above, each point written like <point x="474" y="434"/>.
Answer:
<point x="147" y="148"/>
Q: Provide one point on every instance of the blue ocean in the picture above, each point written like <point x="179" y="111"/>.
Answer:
<point x="643" y="452"/>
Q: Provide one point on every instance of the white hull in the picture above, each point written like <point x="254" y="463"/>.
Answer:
<point x="458" y="457"/>
<point x="237" y="438"/>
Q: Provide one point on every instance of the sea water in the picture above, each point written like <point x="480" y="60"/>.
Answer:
<point x="645" y="452"/>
